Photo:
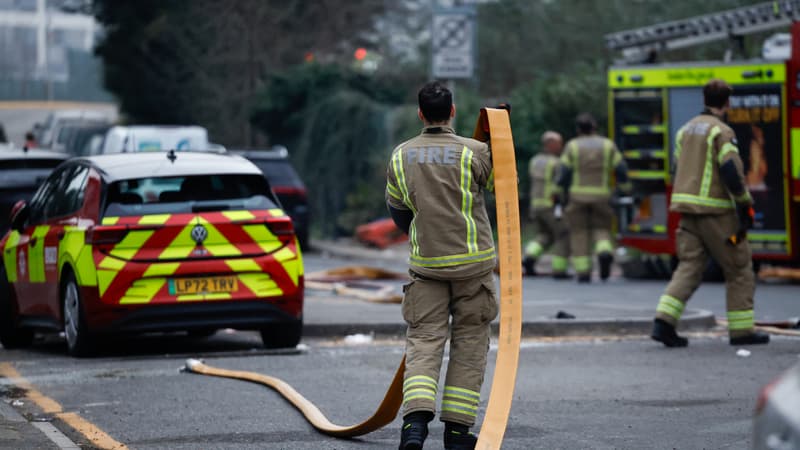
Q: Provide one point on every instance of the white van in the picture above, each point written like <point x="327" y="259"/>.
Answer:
<point x="47" y="132"/>
<point x="149" y="138"/>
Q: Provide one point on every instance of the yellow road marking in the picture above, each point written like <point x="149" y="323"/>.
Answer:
<point x="49" y="406"/>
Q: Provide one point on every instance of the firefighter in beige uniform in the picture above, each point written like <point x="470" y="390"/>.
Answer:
<point x="434" y="190"/>
<point x="591" y="164"/>
<point x="545" y="209"/>
<point x="715" y="207"/>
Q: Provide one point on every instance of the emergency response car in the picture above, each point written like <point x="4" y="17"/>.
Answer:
<point x="648" y="103"/>
<point x="93" y="253"/>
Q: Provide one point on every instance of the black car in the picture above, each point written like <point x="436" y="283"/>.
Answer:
<point x="21" y="173"/>
<point x="286" y="184"/>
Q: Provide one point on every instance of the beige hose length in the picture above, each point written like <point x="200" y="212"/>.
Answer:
<point x="510" y="261"/>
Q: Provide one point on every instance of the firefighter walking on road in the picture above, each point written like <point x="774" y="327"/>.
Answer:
<point x="716" y="210"/>
<point x="434" y="190"/>
<point x="591" y="164"/>
<point x="546" y="208"/>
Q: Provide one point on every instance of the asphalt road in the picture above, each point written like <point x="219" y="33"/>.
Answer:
<point x="596" y="393"/>
<point x="630" y="394"/>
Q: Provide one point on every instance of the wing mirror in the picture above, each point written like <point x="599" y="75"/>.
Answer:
<point x="19" y="215"/>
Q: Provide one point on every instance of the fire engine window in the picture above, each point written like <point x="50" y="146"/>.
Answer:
<point x="197" y="193"/>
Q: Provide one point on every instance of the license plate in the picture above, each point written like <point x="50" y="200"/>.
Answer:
<point x="203" y="285"/>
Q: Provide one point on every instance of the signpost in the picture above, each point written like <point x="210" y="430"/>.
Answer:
<point x="453" y="43"/>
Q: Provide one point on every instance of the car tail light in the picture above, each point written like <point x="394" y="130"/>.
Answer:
<point x="281" y="226"/>
<point x="293" y="191"/>
<point x="105" y="235"/>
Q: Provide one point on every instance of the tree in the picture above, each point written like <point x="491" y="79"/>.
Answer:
<point x="335" y="122"/>
<point x="203" y="61"/>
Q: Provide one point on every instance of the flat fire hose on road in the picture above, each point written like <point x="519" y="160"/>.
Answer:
<point x="780" y="328"/>
<point x="493" y="125"/>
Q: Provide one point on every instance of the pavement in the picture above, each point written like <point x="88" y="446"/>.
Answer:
<point x="600" y="308"/>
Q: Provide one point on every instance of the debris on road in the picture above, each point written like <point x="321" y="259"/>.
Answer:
<point x="359" y="339"/>
<point x="564" y="315"/>
<point x="361" y="282"/>
<point x="380" y="233"/>
<point x="743" y="353"/>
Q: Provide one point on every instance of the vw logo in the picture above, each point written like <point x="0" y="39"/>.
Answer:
<point x="199" y="234"/>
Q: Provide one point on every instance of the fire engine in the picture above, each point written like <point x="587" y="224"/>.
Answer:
<point x="648" y="102"/>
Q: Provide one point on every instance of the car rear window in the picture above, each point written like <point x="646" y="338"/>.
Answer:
<point x="196" y="193"/>
<point x="280" y="173"/>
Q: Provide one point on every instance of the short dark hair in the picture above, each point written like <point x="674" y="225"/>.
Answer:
<point x="435" y="101"/>
<point x="716" y="93"/>
<point x="585" y="123"/>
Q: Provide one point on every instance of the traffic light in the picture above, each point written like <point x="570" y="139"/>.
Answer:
<point x="360" y="53"/>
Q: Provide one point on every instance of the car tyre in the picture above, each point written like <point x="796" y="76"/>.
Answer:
<point x="282" y="334"/>
<point x="79" y="340"/>
<point x="11" y="336"/>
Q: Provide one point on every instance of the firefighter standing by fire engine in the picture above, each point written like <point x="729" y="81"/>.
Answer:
<point x="591" y="163"/>
<point x="434" y="190"/>
<point x="546" y="208"/>
<point x="716" y="210"/>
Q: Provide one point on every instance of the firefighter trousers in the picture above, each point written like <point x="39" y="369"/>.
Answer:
<point x="589" y="231"/>
<point x="701" y="236"/>
<point x="428" y="305"/>
<point x="551" y="233"/>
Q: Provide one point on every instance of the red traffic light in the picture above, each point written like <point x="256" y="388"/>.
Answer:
<point x="360" y="53"/>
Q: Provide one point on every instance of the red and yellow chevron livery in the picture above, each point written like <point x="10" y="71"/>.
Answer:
<point x="195" y="259"/>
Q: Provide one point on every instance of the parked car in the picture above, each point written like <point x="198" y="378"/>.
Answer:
<point x="46" y="132"/>
<point x="286" y="184"/>
<point x="69" y="128"/>
<point x="777" y="419"/>
<point x="91" y="254"/>
<point x="21" y="172"/>
<point x="87" y="140"/>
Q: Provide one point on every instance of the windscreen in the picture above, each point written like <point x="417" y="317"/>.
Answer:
<point x="195" y="193"/>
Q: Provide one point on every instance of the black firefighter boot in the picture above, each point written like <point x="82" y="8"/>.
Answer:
<point x="665" y="333"/>
<point x="754" y="338"/>
<point x="605" y="259"/>
<point x="458" y="437"/>
<point x="415" y="430"/>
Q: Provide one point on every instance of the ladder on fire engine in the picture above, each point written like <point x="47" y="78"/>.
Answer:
<point x="638" y="43"/>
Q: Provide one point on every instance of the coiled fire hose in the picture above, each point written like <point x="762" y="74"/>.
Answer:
<point x="493" y="125"/>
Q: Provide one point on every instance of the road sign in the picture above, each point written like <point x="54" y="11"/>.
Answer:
<point x="453" y="43"/>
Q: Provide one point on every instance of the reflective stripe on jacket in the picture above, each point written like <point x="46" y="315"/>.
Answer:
<point x="701" y="146"/>
<point x="592" y="160"/>
<point x="543" y="170"/>
<point x="441" y="177"/>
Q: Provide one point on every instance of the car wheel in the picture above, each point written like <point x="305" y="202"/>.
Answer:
<point x="75" y="329"/>
<point x="11" y="336"/>
<point x="282" y="334"/>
